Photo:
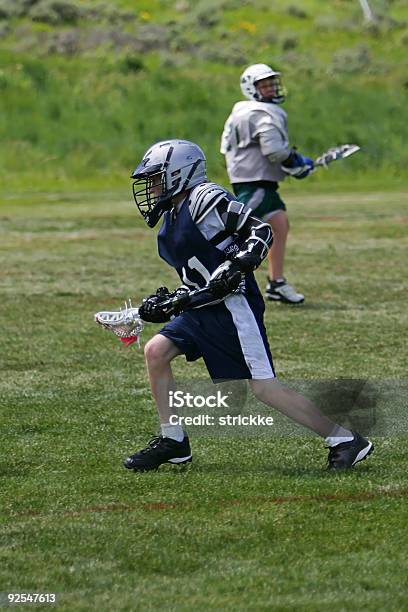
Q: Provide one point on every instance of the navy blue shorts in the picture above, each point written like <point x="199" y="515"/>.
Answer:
<point x="229" y="336"/>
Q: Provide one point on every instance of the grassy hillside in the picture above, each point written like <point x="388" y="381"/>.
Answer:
<point x="86" y="87"/>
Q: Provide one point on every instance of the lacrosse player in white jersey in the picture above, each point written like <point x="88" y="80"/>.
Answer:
<point x="258" y="155"/>
<point x="214" y="243"/>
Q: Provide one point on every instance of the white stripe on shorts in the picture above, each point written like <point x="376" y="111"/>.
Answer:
<point x="256" y="198"/>
<point x="250" y="337"/>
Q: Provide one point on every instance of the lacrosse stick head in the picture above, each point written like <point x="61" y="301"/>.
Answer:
<point x="125" y="324"/>
<point x="335" y="153"/>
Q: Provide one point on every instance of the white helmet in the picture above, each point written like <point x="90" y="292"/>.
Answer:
<point x="256" y="73"/>
<point x="167" y="168"/>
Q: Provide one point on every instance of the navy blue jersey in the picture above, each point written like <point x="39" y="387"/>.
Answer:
<point x="182" y="245"/>
<point x="230" y="336"/>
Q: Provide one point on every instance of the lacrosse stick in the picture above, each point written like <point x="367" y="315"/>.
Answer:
<point x="334" y="154"/>
<point x="127" y="325"/>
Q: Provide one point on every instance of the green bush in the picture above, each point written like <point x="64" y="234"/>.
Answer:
<point x="55" y="12"/>
<point x="8" y="9"/>
<point x="131" y="63"/>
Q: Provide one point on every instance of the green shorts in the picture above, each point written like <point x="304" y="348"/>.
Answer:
<point x="261" y="196"/>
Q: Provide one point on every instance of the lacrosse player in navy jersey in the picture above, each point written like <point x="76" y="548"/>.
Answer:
<point x="214" y="243"/>
<point x="255" y="142"/>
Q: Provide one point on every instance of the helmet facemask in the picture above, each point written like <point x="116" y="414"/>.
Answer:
<point x="274" y="90"/>
<point x="149" y="191"/>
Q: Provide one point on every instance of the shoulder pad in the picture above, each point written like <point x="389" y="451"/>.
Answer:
<point x="204" y="198"/>
<point x="251" y="106"/>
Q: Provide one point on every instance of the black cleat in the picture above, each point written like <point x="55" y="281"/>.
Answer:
<point x="347" y="454"/>
<point x="159" y="450"/>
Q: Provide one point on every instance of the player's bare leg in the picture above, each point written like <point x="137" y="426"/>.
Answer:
<point x="172" y="446"/>
<point x="297" y="407"/>
<point x="346" y="447"/>
<point x="280" y="228"/>
<point x="278" y="289"/>
<point x="159" y="352"/>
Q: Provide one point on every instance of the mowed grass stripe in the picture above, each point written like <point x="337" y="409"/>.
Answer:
<point x="243" y="501"/>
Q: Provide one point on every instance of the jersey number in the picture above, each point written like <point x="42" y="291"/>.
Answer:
<point x="195" y="264"/>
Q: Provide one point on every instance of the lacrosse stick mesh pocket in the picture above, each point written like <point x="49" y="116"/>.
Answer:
<point x="126" y="324"/>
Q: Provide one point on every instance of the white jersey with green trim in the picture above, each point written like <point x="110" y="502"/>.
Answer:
<point x="255" y="141"/>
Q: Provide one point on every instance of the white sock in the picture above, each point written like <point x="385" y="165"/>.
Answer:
<point x="175" y="432"/>
<point x="339" y="435"/>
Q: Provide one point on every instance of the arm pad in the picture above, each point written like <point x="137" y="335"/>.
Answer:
<point x="256" y="246"/>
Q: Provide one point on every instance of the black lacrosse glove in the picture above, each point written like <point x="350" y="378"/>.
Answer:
<point x="153" y="309"/>
<point x="225" y="279"/>
<point x="161" y="306"/>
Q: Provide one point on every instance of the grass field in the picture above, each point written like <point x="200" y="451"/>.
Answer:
<point x="252" y="524"/>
